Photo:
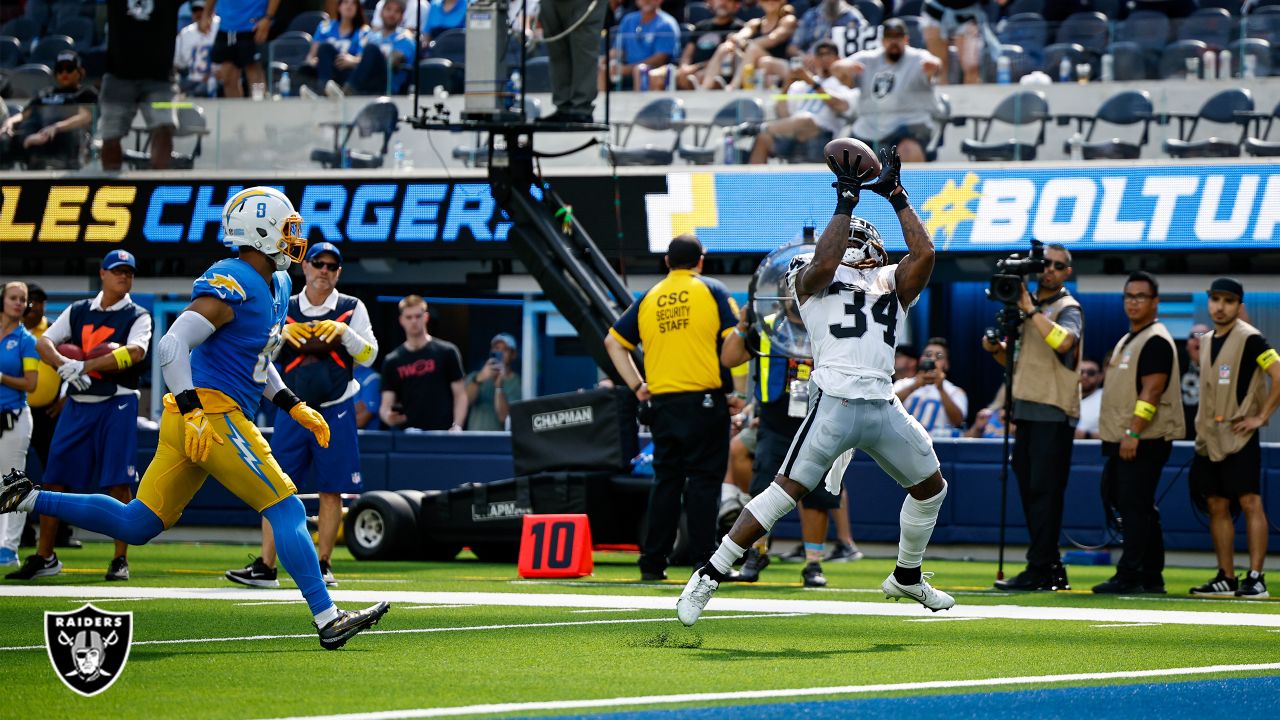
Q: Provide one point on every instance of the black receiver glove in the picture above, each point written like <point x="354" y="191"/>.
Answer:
<point x="846" y="184"/>
<point x="890" y="174"/>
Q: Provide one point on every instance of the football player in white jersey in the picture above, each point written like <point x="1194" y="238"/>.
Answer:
<point x="853" y="303"/>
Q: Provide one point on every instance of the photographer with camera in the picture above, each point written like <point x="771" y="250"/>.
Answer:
<point x="1047" y="331"/>
<point x="930" y="397"/>
<point x="492" y="388"/>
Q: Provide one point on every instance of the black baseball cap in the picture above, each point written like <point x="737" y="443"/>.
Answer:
<point x="67" y="58"/>
<point x="1227" y="285"/>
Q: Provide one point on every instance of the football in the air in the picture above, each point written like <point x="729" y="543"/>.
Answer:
<point x="870" y="166"/>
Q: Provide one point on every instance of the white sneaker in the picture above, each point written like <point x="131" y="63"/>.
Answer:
<point x="693" y="600"/>
<point x="307" y="93"/>
<point x="333" y="90"/>
<point x="922" y="592"/>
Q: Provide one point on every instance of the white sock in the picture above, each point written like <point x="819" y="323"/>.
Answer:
<point x="28" y="503"/>
<point x="917" y="520"/>
<point x="325" y="617"/>
<point x="726" y="555"/>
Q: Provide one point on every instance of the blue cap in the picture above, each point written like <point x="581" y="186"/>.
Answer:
<point x="324" y="247"/>
<point x="507" y="338"/>
<point x="116" y="258"/>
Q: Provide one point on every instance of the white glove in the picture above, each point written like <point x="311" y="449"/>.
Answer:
<point x="70" y="369"/>
<point x="80" y="382"/>
<point x="835" y="476"/>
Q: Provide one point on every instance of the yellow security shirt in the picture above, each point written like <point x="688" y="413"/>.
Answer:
<point x="680" y="322"/>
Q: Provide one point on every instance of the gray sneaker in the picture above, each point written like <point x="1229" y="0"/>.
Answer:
<point x="844" y="553"/>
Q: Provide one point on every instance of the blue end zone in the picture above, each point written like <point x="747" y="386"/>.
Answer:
<point x="1201" y="699"/>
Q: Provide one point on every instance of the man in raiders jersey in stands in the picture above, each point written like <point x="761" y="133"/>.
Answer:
<point x="852" y="302"/>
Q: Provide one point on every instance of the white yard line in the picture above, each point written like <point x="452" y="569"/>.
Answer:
<point x="429" y="607"/>
<point x="271" y="602"/>
<point x="942" y="619"/>
<point x="418" y="631"/>
<point x="553" y="705"/>
<point x="1119" y="625"/>
<point x="667" y="603"/>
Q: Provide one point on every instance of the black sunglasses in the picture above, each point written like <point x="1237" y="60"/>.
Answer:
<point x="66" y="68"/>
<point x="321" y="265"/>
<point x="1056" y="265"/>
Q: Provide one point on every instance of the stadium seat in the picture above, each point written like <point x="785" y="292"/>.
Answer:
<point x="380" y="116"/>
<point x="1126" y="108"/>
<point x="662" y="115"/>
<point x="1129" y="61"/>
<point x="1229" y="107"/>
<point x="732" y="114"/>
<point x="1261" y="51"/>
<point x="1075" y="54"/>
<point x="872" y="10"/>
<point x="1028" y="31"/>
<point x="1264" y="24"/>
<point x="909" y="8"/>
<point x="1021" y="108"/>
<point x="1019" y="63"/>
<point x="1147" y="28"/>
<point x="1173" y="62"/>
<point x="1210" y="25"/>
<point x="1109" y="8"/>
<point x="290" y="48"/>
<point x="1087" y="29"/>
<point x="537" y="76"/>
<point x="696" y="12"/>
<point x="1263" y="146"/>
<point x="10" y="52"/>
<point x="439" y="72"/>
<point x="79" y="29"/>
<point x="26" y="81"/>
<point x="1020" y="7"/>
<point x="451" y="45"/>
<point x="308" y="21"/>
<point x="942" y="115"/>
<point x="47" y="49"/>
<point x="23" y="28"/>
<point x="191" y="123"/>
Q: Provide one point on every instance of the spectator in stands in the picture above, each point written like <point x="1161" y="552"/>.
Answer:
<point x="444" y="15"/>
<point x="140" y="43"/>
<point x="244" y="25"/>
<point x="760" y="38"/>
<point x="191" y="57"/>
<point x="818" y="21"/>
<point x="930" y="397"/>
<point x="51" y="132"/>
<point x="492" y="388"/>
<point x="408" y="19"/>
<point x="336" y="48"/>
<point x="989" y="422"/>
<point x="1190" y="381"/>
<point x="369" y="399"/>
<point x="573" y="55"/>
<point x="392" y="44"/>
<point x="422" y="379"/>
<point x="708" y="35"/>
<point x="954" y="21"/>
<point x="897" y="104"/>
<point x="905" y="362"/>
<point x="647" y="38"/>
<point x="1090" y="399"/>
<point x="49" y="14"/>
<point x="810" y="115"/>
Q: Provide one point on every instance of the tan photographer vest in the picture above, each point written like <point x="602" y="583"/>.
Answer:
<point x="1218" y="390"/>
<point x="1120" y="393"/>
<point x="1038" y="373"/>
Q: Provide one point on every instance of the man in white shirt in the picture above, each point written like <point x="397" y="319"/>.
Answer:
<point x="408" y="21"/>
<point x="191" y="53"/>
<point x="936" y="402"/>
<point x="810" y="116"/>
<point x="1090" y="398"/>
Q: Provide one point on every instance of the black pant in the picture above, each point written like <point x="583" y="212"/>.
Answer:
<point x="1042" y="462"/>
<point x="690" y="454"/>
<point x="1132" y="485"/>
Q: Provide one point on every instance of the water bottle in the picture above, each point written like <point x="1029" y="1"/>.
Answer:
<point x="1224" y="64"/>
<point x="1064" y="70"/>
<point x="1249" y="66"/>
<point x="283" y="85"/>
<point x="1193" y="68"/>
<point x="1210" y="66"/>
<point x="730" y="148"/>
<point x="748" y="76"/>
<point x="726" y="66"/>
<point x="398" y="155"/>
<point x="1077" y="146"/>
<point x="644" y="77"/>
<point x="1108" y="67"/>
<point x="1004" y="74"/>
<point x="513" y="90"/>
<point x="671" y="77"/>
<point x="213" y="85"/>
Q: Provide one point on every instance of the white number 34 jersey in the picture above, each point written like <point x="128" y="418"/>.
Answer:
<point x="854" y="324"/>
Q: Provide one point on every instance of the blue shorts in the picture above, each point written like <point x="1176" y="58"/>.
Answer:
<point x="335" y="469"/>
<point x="95" y="445"/>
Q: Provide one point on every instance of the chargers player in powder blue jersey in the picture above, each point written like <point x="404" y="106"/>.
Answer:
<point x="216" y="359"/>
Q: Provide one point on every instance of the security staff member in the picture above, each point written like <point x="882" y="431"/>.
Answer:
<point x="1141" y="417"/>
<point x="1228" y="464"/>
<point x="327" y="334"/>
<point x="1046" y="407"/>
<point x="680" y="322"/>
<point x="782" y="400"/>
<point x="95" y="443"/>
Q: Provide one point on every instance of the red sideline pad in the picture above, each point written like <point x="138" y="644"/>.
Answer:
<point x="555" y="546"/>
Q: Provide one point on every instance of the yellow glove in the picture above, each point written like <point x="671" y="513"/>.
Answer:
<point x="313" y="421"/>
<point x="328" y="330"/>
<point x="296" y="333"/>
<point x="199" y="435"/>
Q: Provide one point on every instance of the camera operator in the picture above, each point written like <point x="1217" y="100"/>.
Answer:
<point x="930" y="397"/>
<point x="1046" y="406"/>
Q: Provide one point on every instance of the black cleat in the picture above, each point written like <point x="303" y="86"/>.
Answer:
<point x="348" y="624"/>
<point x="1222" y="585"/>
<point x="36" y="567"/>
<point x="752" y="565"/>
<point x="1121" y="586"/>
<point x="1254" y="587"/>
<point x="119" y="569"/>
<point x="14" y="488"/>
<point x="813" y="577"/>
<point x="1033" y="579"/>
<point x="255" y="574"/>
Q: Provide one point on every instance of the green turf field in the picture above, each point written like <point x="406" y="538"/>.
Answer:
<point x="434" y="654"/>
